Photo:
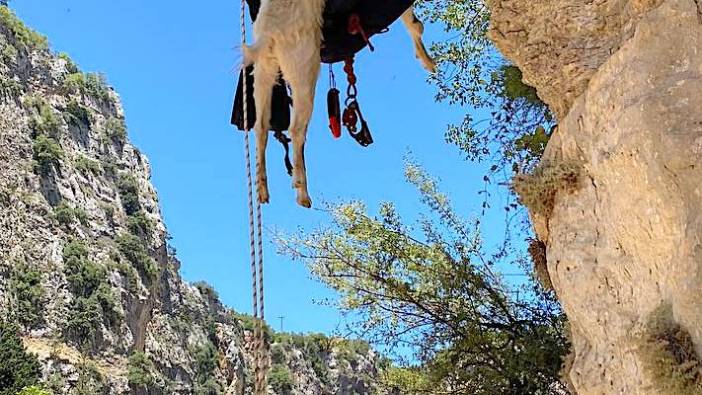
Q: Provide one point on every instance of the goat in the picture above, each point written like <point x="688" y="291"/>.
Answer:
<point x="288" y="38"/>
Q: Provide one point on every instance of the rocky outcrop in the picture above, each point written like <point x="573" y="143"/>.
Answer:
<point x="625" y="78"/>
<point x="85" y="265"/>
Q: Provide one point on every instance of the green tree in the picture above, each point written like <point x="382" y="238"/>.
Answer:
<point x="18" y="369"/>
<point x="504" y="112"/>
<point x="436" y="290"/>
<point x="28" y="295"/>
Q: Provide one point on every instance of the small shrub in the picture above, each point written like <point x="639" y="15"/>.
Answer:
<point x="83" y="275"/>
<point x="280" y="379"/>
<point x="74" y="82"/>
<point x="63" y="214"/>
<point x="514" y="88"/>
<point x="28" y="295"/>
<point x="537" y="251"/>
<point x="207" y="291"/>
<point x="129" y="193"/>
<point x="108" y="303"/>
<point x="34" y="390"/>
<point x="206" y="362"/>
<point x="669" y="357"/>
<point x="76" y="114"/>
<point x="128" y="272"/>
<point x="137" y="254"/>
<point x="89" y="84"/>
<point x="90" y="381"/>
<point x="71" y="66"/>
<point x="139" y="368"/>
<point x="86" y="165"/>
<point x="84" y="321"/>
<point x="96" y="86"/>
<point x="278" y="354"/>
<point x="18" y="369"/>
<point x="116" y="130"/>
<point x="47" y="154"/>
<point x="42" y="119"/>
<point x="25" y="38"/>
<point x="140" y="225"/>
<point x="537" y="191"/>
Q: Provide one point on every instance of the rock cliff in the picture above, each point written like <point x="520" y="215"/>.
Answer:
<point x="625" y="79"/>
<point x="85" y="266"/>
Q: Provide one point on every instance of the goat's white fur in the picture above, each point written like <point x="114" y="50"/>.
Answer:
<point x="288" y="38"/>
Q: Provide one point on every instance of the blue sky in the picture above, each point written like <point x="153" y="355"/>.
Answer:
<point x="173" y="64"/>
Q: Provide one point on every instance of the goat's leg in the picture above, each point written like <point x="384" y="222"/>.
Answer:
<point x="265" y="75"/>
<point x="304" y="103"/>
<point x="415" y="27"/>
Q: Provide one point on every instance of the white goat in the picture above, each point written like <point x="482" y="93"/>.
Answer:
<point x="288" y="38"/>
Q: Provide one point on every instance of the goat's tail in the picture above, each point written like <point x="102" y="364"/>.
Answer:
<point x="253" y="52"/>
<point x="415" y="27"/>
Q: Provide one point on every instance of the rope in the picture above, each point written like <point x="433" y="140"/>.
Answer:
<point x="255" y="233"/>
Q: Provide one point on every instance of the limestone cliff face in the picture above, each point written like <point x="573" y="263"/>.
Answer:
<point x="625" y="78"/>
<point x="84" y="262"/>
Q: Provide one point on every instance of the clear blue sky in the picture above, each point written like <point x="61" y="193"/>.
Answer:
<point x="173" y="64"/>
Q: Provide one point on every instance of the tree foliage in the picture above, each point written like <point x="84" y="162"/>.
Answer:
<point x="434" y="289"/>
<point x="18" y="369"/>
<point x="503" y="112"/>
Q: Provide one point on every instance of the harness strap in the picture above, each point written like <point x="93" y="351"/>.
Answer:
<point x="285" y="142"/>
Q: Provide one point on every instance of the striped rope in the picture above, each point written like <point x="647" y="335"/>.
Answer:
<point x="255" y="234"/>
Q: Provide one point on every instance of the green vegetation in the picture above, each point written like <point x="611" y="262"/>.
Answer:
<point x="134" y="249"/>
<point x="46" y="128"/>
<point x="43" y="119"/>
<point x="316" y="347"/>
<point x="34" y="390"/>
<point x="47" y="154"/>
<point x="90" y="381"/>
<point x="139" y="368"/>
<point x="28" y="295"/>
<point x="669" y="357"/>
<point x="18" y="369"/>
<point x="65" y="215"/>
<point x="129" y="193"/>
<point x="89" y="84"/>
<point x="538" y="190"/>
<point x="93" y="302"/>
<point x="71" y="66"/>
<point x="76" y="114"/>
<point x="410" y="380"/>
<point x="86" y="165"/>
<point x="280" y="379"/>
<point x="206" y="361"/>
<point x="207" y="291"/>
<point x="116" y="130"/>
<point x="25" y="38"/>
<point x="434" y="289"/>
<point x="471" y="73"/>
<point x="140" y="225"/>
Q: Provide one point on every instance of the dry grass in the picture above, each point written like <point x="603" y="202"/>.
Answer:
<point x="669" y="357"/>
<point x="537" y="251"/>
<point x="538" y="190"/>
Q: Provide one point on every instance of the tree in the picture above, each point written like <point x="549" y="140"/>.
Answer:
<point x="435" y="290"/>
<point x="18" y="369"/>
<point x="507" y="124"/>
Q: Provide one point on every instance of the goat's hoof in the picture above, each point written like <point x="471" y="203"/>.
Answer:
<point x="263" y="197"/>
<point x="304" y="201"/>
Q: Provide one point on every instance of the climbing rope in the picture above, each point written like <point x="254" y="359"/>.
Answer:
<point x="255" y="234"/>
